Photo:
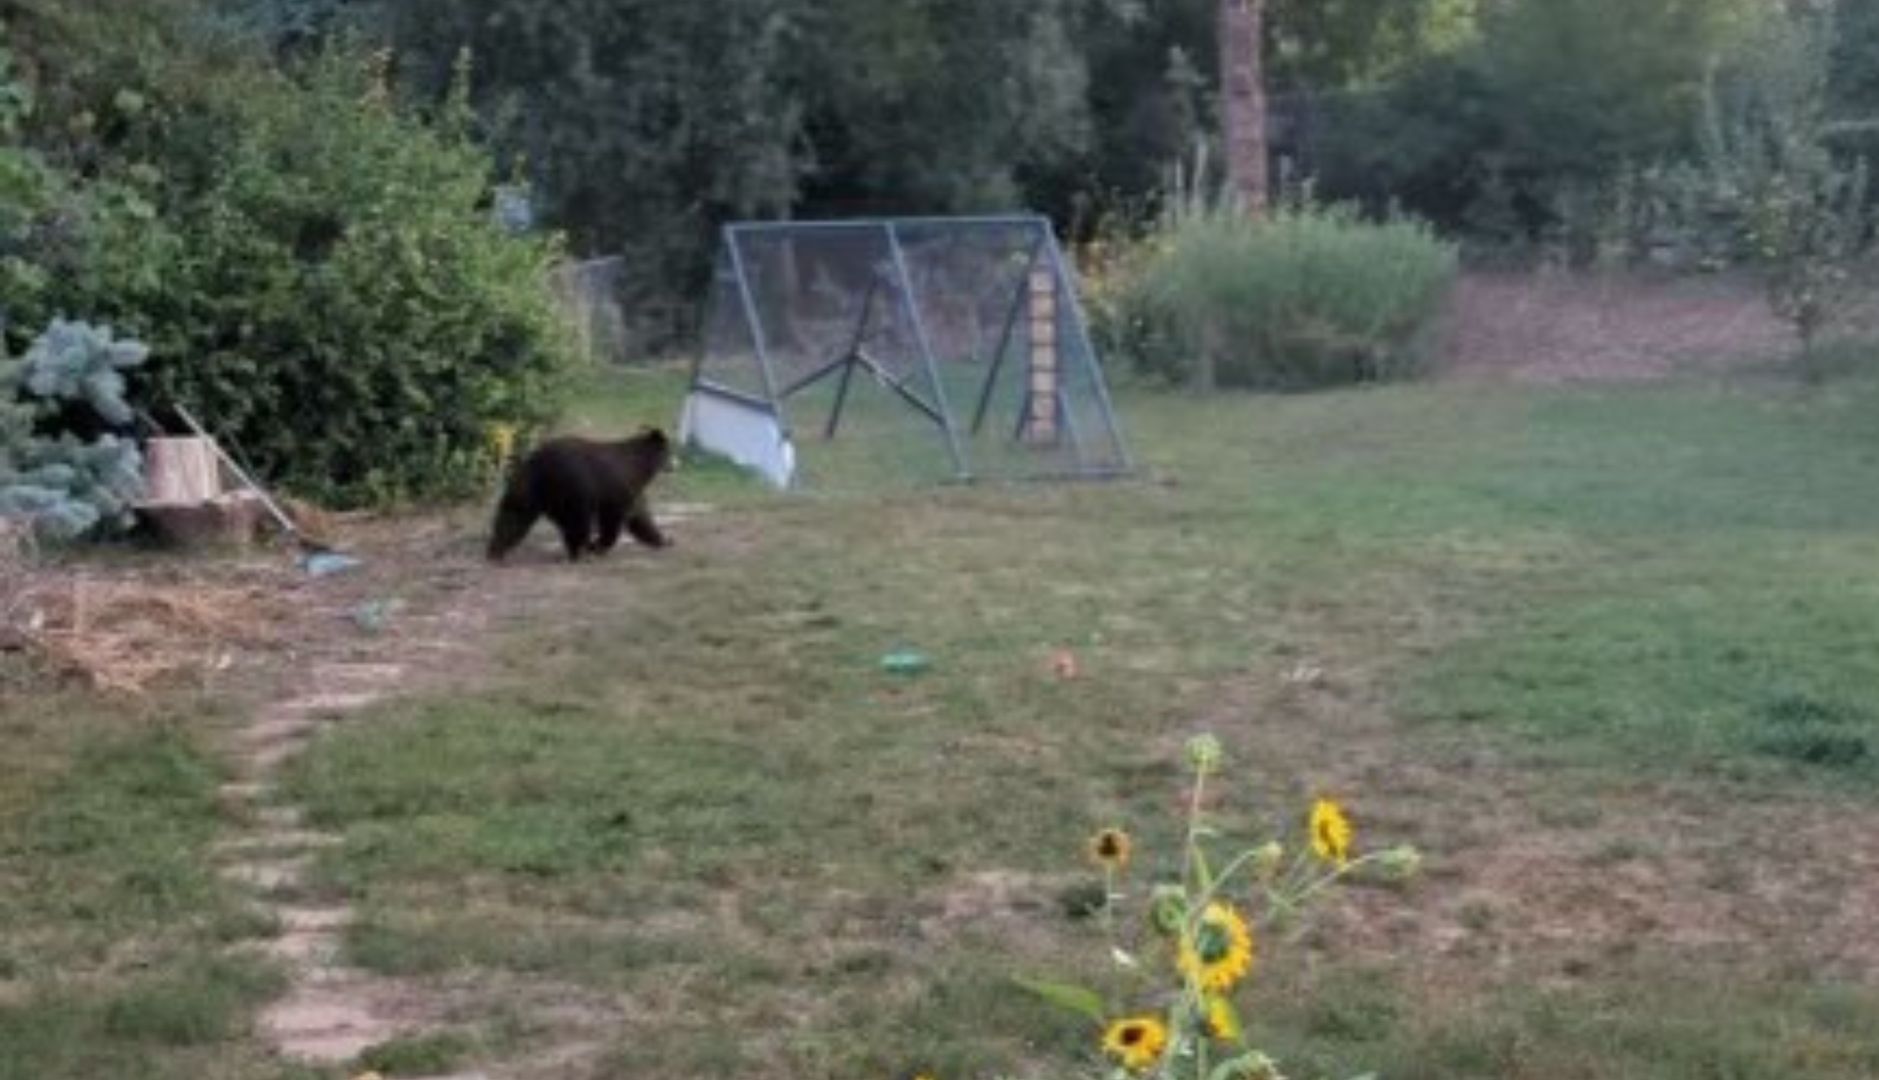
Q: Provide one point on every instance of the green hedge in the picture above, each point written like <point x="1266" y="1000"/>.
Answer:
<point x="317" y="271"/>
<point x="1306" y="296"/>
<point x="345" y="303"/>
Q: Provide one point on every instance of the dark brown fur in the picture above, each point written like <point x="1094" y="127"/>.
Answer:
<point x="589" y="489"/>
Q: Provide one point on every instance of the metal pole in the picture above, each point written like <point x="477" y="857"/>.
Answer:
<point x="1066" y="281"/>
<point x="854" y="351"/>
<point x="756" y="329"/>
<point x="1004" y="340"/>
<point x="978" y="220"/>
<point x="961" y="470"/>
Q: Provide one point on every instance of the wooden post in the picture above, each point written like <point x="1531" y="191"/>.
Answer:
<point x="1040" y="422"/>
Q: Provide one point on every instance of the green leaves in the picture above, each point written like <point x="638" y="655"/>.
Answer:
<point x="1248" y="1066"/>
<point x="1310" y="296"/>
<point x="1075" y="999"/>
<point x="345" y="307"/>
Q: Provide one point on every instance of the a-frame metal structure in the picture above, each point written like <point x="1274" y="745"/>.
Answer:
<point x="910" y="303"/>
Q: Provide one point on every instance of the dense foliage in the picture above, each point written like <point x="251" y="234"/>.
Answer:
<point x="291" y="200"/>
<point x="315" y="266"/>
<point x="1769" y="188"/>
<point x="1306" y="297"/>
<point x="645" y="123"/>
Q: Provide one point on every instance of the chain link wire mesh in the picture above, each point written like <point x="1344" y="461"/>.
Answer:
<point x="910" y="350"/>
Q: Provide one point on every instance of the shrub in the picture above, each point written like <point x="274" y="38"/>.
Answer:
<point x="69" y="381"/>
<point x="344" y="304"/>
<point x="318" y="272"/>
<point x="1791" y="204"/>
<point x="1308" y="296"/>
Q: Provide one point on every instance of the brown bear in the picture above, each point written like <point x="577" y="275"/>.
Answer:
<point x="588" y="488"/>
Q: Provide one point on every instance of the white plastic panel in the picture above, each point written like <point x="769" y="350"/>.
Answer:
<point x="747" y="435"/>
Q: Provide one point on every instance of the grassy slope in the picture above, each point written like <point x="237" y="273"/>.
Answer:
<point x="700" y="794"/>
<point x="699" y="798"/>
<point x="112" y="915"/>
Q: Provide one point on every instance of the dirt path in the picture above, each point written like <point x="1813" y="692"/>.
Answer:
<point x="441" y="609"/>
<point x="331" y="1012"/>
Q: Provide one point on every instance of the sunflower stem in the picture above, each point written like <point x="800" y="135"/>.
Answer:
<point x="1109" y="905"/>
<point x="1197" y="861"/>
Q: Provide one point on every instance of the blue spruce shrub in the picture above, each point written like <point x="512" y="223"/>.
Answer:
<point x="65" y="487"/>
<point x="77" y="361"/>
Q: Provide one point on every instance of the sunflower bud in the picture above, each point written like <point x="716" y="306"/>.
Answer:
<point x="1203" y="752"/>
<point x="1266" y="859"/>
<point x="1400" y="863"/>
<point x="1167" y="909"/>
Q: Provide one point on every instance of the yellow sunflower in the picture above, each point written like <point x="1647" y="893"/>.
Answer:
<point x="1220" y="951"/>
<point x="1136" y="1042"/>
<point x="1330" y="832"/>
<point x="1110" y="848"/>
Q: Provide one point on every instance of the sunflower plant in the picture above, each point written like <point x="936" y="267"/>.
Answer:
<point x="1202" y="934"/>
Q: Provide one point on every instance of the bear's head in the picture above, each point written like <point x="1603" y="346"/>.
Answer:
<point x="651" y="445"/>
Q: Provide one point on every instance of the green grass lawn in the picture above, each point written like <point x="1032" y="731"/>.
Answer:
<point x="1607" y="655"/>
<point x="114" y="921"/>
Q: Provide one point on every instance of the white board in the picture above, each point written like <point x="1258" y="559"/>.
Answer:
<point x="747" y="435"/>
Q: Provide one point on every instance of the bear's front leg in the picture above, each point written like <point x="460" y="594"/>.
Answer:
<point x="608" y="521"/>
<point x="640" y="524"/>
<point x="576" y="529"/>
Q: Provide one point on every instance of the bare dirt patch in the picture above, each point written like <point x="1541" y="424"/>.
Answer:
<point x="1557" y="327"/>
<point x="1554" y="873"/>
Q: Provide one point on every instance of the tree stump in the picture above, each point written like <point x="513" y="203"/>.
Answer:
<point x="183" y="497"/>
<point x="180" y="471"/>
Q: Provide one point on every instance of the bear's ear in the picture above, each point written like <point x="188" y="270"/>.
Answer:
<point x="654" y="435"/>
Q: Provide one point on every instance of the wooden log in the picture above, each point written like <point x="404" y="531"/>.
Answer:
<point x="180" y="472"/>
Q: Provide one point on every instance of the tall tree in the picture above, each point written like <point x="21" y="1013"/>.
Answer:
<point x="1243" y="100"/>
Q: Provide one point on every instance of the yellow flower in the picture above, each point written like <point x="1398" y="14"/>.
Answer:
<point x="1137" y="1042"/>
<point x="1220" y="951"/>
<point x="500" y="439"/>
<point x="1330" y="832"/>
<point x="1110" y="848"/>
<point x="1223" y="1022"/>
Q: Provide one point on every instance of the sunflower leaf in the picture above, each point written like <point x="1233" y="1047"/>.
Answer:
<point x="1203" y="873"/>
<point x="1075" y="999"/>
<point x="1248" y="1066"/>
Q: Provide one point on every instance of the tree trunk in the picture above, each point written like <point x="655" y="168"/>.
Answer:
<point x="1243" y="100"/>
